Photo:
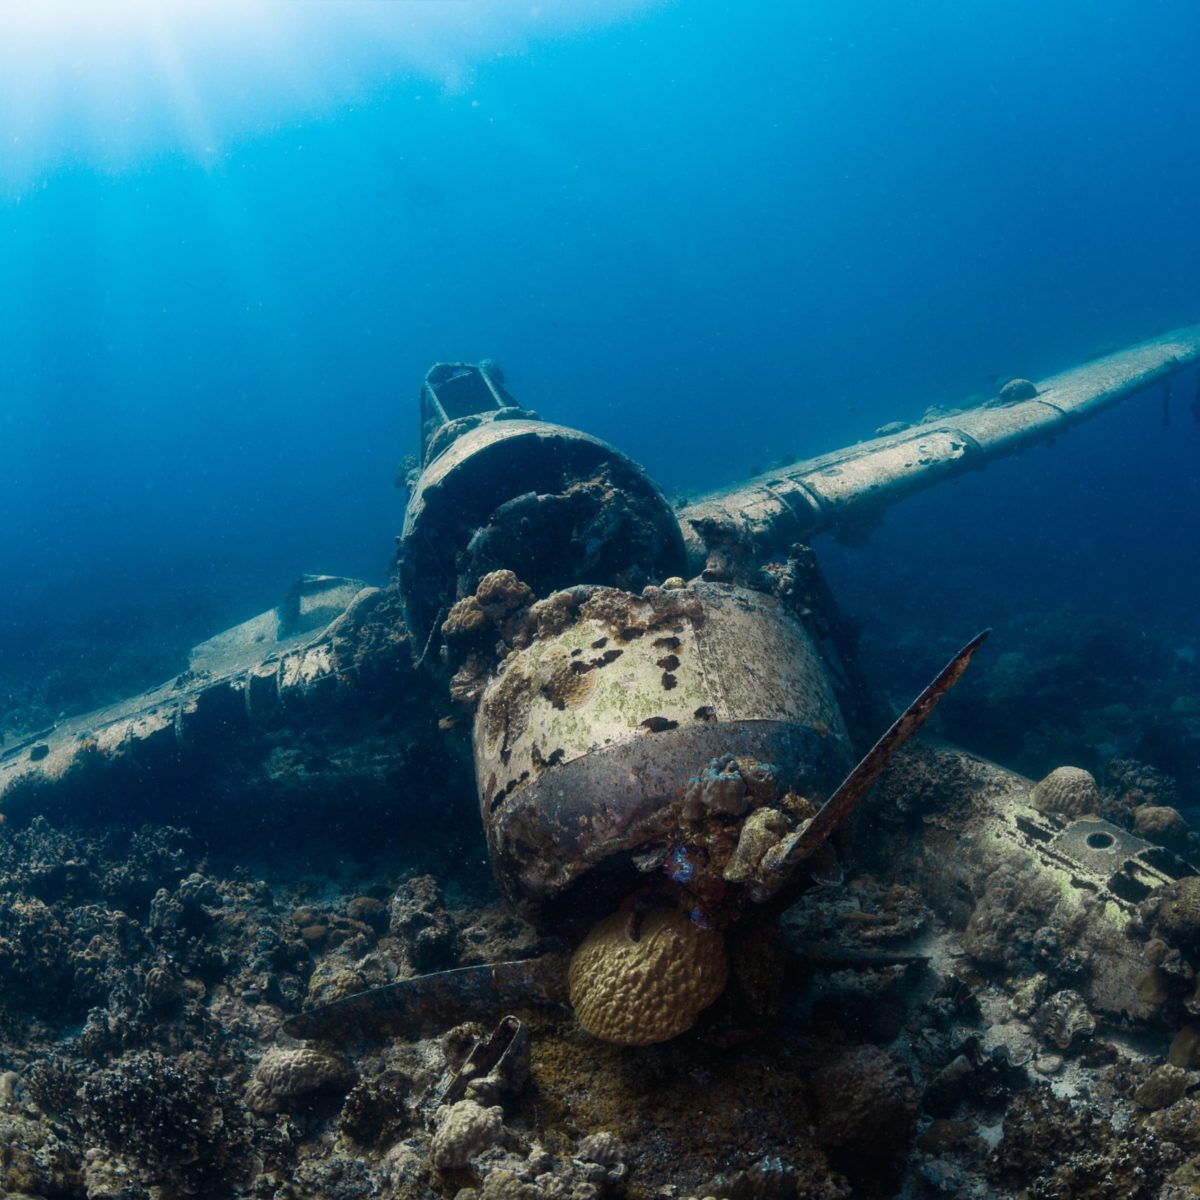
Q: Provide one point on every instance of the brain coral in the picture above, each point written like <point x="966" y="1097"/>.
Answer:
<point x="284" y="1077"/>
<point x="465" y="1130"/>
<point x="638" y="990"/>
<point x="1070" y="791"/>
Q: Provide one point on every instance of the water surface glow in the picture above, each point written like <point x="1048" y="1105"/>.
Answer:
<point x="104" y="84"/>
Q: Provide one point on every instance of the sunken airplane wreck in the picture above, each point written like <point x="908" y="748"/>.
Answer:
<point x="663" y="722"/>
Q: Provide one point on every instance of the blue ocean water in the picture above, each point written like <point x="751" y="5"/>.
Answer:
<point x="712" y="235"/>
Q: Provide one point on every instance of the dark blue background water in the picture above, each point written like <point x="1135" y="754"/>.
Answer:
<point x="709" y="233"/>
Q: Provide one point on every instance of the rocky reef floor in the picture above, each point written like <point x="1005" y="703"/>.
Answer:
<point x="916" y="1048"/>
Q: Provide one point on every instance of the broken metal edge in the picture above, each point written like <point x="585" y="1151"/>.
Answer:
<point x="507" y="1042"/>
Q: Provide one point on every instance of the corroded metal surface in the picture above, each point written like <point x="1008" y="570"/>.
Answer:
<point x="618" y="801"/>
<point x="766" y="514"/>
<point x="557" y="506"/>
<point x="246" y="675"/>
<point x="454" y="393"/>
<point x="503" y="1054"/>
<point x="1095" y="873"/>
<point x="586" y="739"/>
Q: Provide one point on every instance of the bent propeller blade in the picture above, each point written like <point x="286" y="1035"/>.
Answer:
<point x="842" y="803"/>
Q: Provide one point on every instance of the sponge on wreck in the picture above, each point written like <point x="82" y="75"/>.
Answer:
<point x="640" y="983"/>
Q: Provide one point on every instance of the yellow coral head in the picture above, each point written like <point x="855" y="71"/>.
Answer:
<point x="640" y="982"/>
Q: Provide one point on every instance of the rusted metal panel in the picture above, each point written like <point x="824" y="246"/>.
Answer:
<point x="236" y="677"/>
<point x="585" y="741"/>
